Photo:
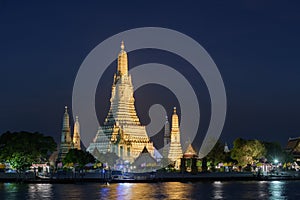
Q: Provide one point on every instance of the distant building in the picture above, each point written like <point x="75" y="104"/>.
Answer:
<point x="293" y="147"/>
<point x="67" y="142"/>
<point x="226" y="148"/>
<point x="190" y="152"/>
<point x="189" y="160"/>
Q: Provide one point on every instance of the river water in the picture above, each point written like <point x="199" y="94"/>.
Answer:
<point x="167" y="190"/>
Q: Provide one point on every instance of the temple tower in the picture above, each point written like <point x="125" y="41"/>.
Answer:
<point x="175" y="152"/>
<point x="122" y="132"/>
<point x="66" y="141"/>
<point x="226" y="148"/>
<point x="167" y="139"/>
<point x="76" y="135"/>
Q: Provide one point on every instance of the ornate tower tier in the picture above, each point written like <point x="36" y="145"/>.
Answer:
<point x="122" y="61"/>
<point x="122" y="132"/>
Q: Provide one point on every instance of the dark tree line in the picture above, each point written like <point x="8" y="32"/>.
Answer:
<point x="78" y="158"/>
<point x="21" y="149"/>
<point x="245" y="152"/>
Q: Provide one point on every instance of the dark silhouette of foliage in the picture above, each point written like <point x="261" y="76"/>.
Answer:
<point x="274" y="152"/>
<point x="247" y="151"/>
<point x="217" y="154"/>
<point x="204" y="164"/>
<point x="21" y="149"/>
<point x="78" y="157"/>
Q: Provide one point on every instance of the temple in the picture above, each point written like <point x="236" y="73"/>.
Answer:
<point x="226" y="148"/>
<point x="293" y="148"/>
<point x="122" y="132"/>
<point x="76" y="136"/>
<point x="175" y="151"/>
<point x="66" y="142"/>
<point x="167" y="139"/>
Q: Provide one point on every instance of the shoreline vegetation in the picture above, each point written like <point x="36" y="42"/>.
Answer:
<point x="28" y="157"/>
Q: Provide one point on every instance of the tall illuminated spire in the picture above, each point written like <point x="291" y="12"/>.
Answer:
<point x="66" y="133"/>
<point x="122" y="132"/>
<point x="76" y="136"/>
<point x="175" y="152"/>
<point x="66" y="140"/>
<point x="175" y="124"/>
<point x="122" y="61"/>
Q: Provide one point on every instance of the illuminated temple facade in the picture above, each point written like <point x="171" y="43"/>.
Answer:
<point x="175" y="150"/>
<point x="122" y="132"/>
<point x="67" y="142"/>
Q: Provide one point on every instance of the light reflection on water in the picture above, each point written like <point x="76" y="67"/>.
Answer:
<point x="262" y="189"/>
<point x="218" y="190"/>
<point x="168" y="190"/>
<point x="277" y="189"/>
<point x="171" y="190"/>
<point x="40" y="191"/>
<point x="12" y="190"/>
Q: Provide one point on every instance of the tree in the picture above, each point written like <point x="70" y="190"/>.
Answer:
<point x="217" y="154"/>
<point x="204" y="164"/>
<point x="20" y="161"/>
<point x="274" y="152"/>
<point x="78" y="157"/>
<point x="247" y="151"/>
<point x="21" y="149"/>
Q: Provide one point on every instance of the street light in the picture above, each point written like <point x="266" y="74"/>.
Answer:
<point x="275" y="161"/>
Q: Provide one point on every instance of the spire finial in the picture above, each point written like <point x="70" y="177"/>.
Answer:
<point x="76" y="118"/>
<point x="189" y="141"/>
<point x="66" y="108"/>
<point x="174" y="110"/>
<point x="122" y="45"/>
<point x="122" y="61"/>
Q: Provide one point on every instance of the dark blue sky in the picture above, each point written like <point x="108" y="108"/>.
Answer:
<point x="255" y="44"/>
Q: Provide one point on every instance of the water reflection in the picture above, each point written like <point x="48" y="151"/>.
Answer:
<point x="104" y="192"/>
<point x="171" y="190"/>
<point x="218" y="190"/>
<point x="40" y="191"/>
<point x="124" y="191"/>
<point x="11" y="190"/>
<point x="277" y="190"/>
<point x="117" y="191"/>
<point x="262" y="189"/>
<point x="167" y="190"/>
<point x="176" y="190"/>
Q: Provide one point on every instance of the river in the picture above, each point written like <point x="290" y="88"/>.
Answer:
<point x="166" y="190"/>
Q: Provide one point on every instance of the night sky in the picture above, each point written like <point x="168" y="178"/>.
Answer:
<point x="254" y="43"/>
